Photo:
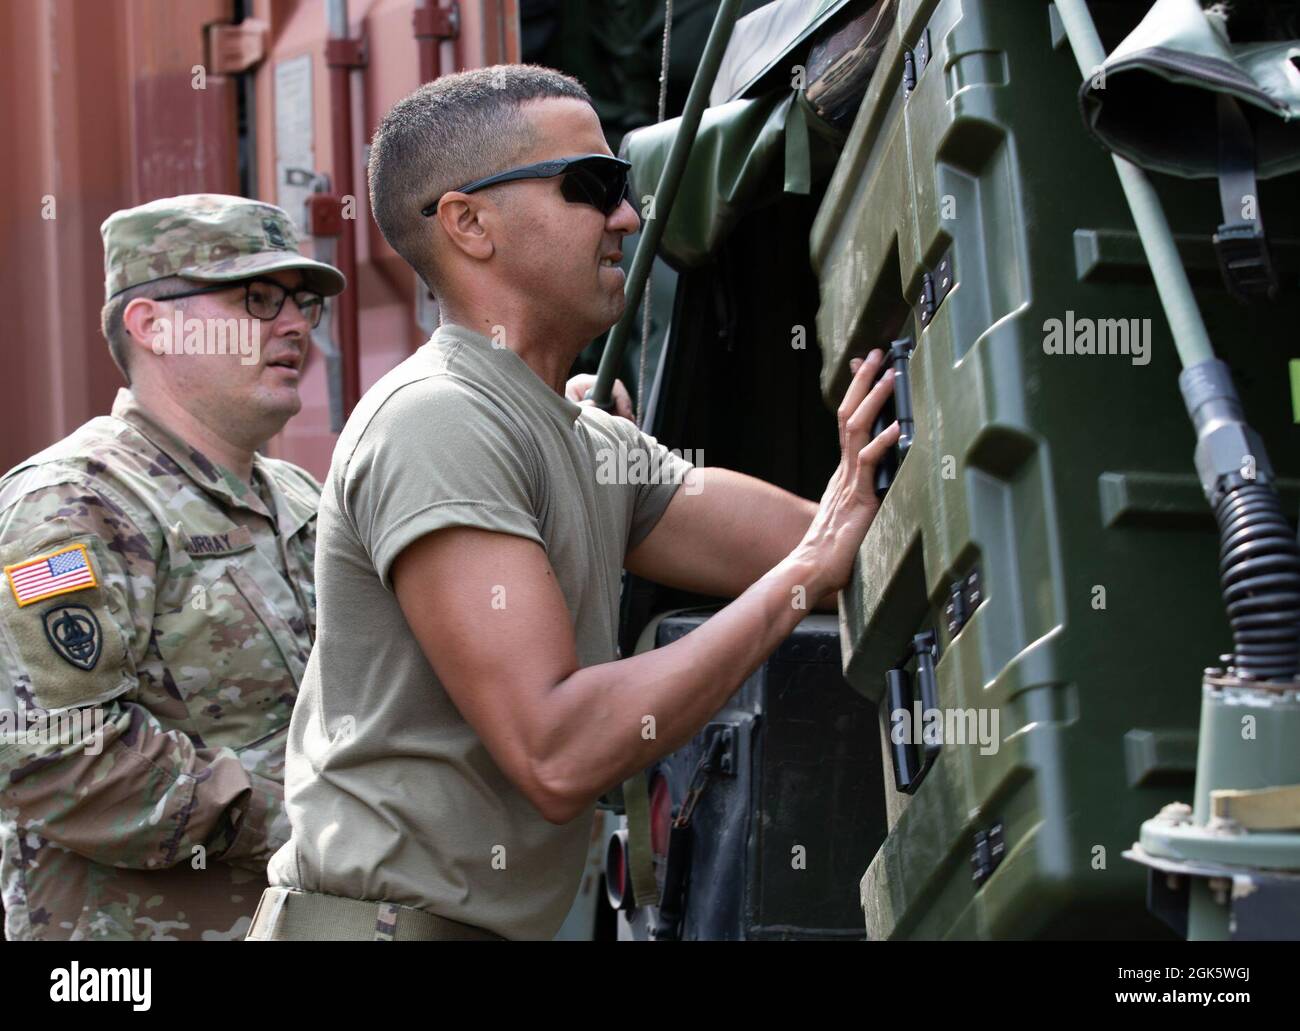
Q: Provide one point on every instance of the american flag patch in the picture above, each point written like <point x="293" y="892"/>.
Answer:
<point x="59" y="572"/>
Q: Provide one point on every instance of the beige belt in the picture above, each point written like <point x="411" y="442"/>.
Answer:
<point x="287" y="914"/>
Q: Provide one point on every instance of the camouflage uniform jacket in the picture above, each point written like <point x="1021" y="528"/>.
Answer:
<point x="151" y="593"/>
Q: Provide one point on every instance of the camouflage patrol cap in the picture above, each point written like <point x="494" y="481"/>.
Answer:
<point x="207" y="237"/>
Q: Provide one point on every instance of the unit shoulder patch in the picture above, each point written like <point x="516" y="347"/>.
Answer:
<point x="74" y="634"/>
<point x="61" y="621"/>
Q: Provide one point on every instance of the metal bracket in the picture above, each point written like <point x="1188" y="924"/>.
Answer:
<point x="325" y="214"/>
<point x="234" y="49"/>
<point x="432" y="22"/>
<point x="727" y="756"/>
<point x="346" y="53"/>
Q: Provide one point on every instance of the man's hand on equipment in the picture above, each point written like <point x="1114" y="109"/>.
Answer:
<point x="849" y="504"/>
<point x="576" y="390"/>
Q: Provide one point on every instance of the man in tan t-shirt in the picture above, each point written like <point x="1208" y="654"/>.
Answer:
<point x="465" y="703"/>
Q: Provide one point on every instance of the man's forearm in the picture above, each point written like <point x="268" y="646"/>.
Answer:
<point x="618" y="717"/>
<point x="721" y="533"/>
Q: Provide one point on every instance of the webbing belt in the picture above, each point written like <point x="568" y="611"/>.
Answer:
<point x="286" y="914"/>
<point x="640" y="856"/>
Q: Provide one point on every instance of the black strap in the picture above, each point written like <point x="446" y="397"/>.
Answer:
<point x="1240" y="242"/>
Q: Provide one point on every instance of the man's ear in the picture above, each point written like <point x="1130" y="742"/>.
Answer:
<point x="468" y="222"/>
<point x="143" y="320"/>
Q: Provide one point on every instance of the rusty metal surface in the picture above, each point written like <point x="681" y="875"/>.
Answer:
<point x="77" y="80"/>
<point x="102" y="95"/>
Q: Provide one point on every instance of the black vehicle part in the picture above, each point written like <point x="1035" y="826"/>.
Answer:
<point x="668" y="926"/>
<point x="776" y="824"/>
<point x="677" y="868"/>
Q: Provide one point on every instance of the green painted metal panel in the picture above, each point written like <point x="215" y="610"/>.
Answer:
<point x="1065" y="479"/>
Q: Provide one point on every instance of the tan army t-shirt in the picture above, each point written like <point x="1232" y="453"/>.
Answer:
<point x="391" y="794"/>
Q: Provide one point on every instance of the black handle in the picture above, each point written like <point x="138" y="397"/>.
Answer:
<point x="910" y="763"/>
<point x="907" y="766"/>
<point x="899" y="408"/>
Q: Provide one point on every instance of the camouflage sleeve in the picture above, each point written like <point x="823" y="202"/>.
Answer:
<point x="84" y="757"/>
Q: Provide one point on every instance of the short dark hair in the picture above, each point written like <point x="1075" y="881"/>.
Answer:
<point x="114" y="329"/>
<point x="447" y="133"/>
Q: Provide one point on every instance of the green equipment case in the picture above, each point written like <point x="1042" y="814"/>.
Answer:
<point x="1044" y="552"/>
<point x="1042" y="574"/>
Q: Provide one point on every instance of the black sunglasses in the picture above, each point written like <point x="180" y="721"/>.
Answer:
<point x="595" y="179"/>
<point x="263" y="299"/>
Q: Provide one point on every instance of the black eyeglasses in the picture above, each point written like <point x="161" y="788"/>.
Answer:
<point x="595" y="179"/>
<point x="263" y="299"/>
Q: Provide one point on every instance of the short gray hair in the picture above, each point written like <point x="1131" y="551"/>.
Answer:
<point x="114" y="329"/>
<point x="447" y="133"/>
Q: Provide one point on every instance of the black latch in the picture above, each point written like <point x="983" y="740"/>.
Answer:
<point x="935" y="286"/>
<point x="912" y="763"/>
<point x="963" y="598"/>
<point x="1245" y="262"/>
<point x="990" y="848"/>
<point x="1240" y="243"/>
<point x="899" y="407"/>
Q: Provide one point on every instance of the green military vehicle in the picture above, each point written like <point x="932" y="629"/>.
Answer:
<point x="1061" y="696"/>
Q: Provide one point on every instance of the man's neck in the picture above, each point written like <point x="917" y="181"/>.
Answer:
<point x="536" y="347"/>
<point x="179" y="421"/>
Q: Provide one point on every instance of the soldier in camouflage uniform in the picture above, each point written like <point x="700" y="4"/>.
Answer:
<point x="158" y="586"/>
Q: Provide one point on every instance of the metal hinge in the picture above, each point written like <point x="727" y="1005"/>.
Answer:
<point x="990" y="849"/>
<point x="914" y="62"/>
<point x="935" y="286"/>
<point x="963" y="598"/>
